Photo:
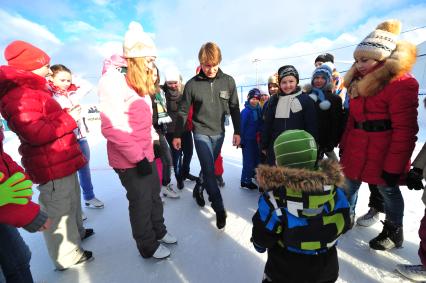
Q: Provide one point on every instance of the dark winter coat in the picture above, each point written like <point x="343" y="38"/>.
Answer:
<point x="329" y="121"/>
<point x="173" y="99"/>
<point x="388" y="93"/>
<point x="301" y="212"/>
<point x="305" y="119"/>
<point x="212" y="99"/>
<point x="48" y="147"/>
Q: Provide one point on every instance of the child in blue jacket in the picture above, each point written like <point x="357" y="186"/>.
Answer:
<point x="251" y="123"/>
<point x="301" y="213"/>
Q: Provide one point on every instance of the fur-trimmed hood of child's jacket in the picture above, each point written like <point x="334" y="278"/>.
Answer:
<point x="304" y="180"/>
<point x="398" y="63"/>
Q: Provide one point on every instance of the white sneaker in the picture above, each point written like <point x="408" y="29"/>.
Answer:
<point x="368" y="219"/>
<point x="413" y="272"/>
<point x="161" y="252"/>
<point x="168" y="239"/>
<point x="94" y="203"/>
<point x="169" y="192"/>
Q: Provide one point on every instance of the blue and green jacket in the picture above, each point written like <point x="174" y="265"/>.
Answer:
<point x="301" y="210"/>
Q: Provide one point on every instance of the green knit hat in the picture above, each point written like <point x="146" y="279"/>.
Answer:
<point x="295" y="148"/>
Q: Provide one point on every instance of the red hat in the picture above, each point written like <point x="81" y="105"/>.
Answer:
<point x="24" y="56"/>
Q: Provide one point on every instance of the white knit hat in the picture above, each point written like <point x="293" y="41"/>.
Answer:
<point x="172" y="75"/>
<point x="380" y="43"/>
<point x="138" y="43"/>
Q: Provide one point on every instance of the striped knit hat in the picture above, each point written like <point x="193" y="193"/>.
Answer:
<point x="295" y="148"/>
<point x="379" y="44"/>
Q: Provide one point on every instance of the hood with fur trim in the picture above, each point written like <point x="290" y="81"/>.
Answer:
<point x="307" y="88"/>
<point x="397" y="64"/>
<point x="303" y="180"/>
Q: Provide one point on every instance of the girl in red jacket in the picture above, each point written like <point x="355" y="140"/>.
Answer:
<point x="381" y="130"/>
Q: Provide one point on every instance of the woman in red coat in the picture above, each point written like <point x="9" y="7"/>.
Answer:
<point x="381" y="130"/>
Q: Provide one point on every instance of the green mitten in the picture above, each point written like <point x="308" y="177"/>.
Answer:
<point x="16" y="189"/>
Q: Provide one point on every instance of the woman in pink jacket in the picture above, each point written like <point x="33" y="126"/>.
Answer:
<point x="126" y="117"/>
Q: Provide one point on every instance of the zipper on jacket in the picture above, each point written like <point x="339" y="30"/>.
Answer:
<point x="211" y="91"/>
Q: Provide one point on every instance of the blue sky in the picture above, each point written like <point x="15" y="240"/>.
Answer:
<point x="80" y="34"/>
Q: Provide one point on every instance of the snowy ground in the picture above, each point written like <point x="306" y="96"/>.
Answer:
<point x="203" y="253"/>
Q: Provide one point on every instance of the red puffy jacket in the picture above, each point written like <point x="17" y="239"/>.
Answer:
<point x="14" y="214"/>
<point x="48" y="147"/>
<point x="367" y="154"/>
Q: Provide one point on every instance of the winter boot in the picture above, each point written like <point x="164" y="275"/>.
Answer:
<point x="413" y="272"/>
<point x="190" y="177"/>
<point x="180" y="184"/>
<point x="88" y="233"/>
<point x="168" y="239"/>
<point x="368" y="219"/>
<point x="197" y="193"/>
<point x="220" y="219"/>
<point x="249" y="186"/>
<point x="390" y="237"/>
<point x="161" y="252"/>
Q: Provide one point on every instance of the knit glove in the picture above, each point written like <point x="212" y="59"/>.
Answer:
<point x="157" y="149"/>
<point x="16" y="189"/>
<point x="414" y="179"/>
<point x="144" y="167"/>
<point x="391" y="179"/>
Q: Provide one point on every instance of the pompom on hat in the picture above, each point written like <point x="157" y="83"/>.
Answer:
<point x="25" y="56"/>
<point x="137" y="43"/>
<point x="380" y="43"/>
<point x="295" y="148"/>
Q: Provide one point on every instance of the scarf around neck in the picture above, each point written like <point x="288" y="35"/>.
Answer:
<point x="287" y="103"/>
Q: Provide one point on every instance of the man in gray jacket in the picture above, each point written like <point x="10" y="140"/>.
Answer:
<point x="213" y="95"/>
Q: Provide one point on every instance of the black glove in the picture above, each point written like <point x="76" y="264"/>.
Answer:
<point x="391" y="179"/>
<point x="157" y="149"/>
<point x="414" y="179"/>
<point x="144" y="167"/>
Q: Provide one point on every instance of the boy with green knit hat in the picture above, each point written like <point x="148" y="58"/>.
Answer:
<point x="301" y="213"/>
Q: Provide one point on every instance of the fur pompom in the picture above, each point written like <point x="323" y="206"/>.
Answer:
<point x="392" y="26"/>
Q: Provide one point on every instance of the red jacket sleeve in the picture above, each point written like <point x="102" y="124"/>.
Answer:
<point x="403" y="114"/>
<point x="37" y="118"/>
<point x="14" y="214"/>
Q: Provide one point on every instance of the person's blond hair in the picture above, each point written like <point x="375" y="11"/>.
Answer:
<point x="139" y="76"/>
<point x="210" y="54"/>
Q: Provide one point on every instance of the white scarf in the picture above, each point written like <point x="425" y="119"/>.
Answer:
<point x="287" y="103"/>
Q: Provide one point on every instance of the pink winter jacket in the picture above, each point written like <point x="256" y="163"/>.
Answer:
<point x="126" y="121"/>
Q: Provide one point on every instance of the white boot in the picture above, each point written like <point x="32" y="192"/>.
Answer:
<point x="168" y="191"/>
<point x="161" y="252"/>
<point x="168" y="239"/>
<point x="413" y="272"/>
<point x="368" y="219"/>
<point x="94" y="203"/>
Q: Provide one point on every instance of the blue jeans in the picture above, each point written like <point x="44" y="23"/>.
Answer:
<point x="84" y="172"/>
<point x="181" y="165"/>
<point x="250" y="160"/>
<point x="392" y="199"/>
<point x="208" y="148"/>
<point x="14" y="256"/>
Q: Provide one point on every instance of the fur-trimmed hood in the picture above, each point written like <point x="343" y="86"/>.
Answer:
<point x="329" y="173"/>
<point x="398" y="63"/>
